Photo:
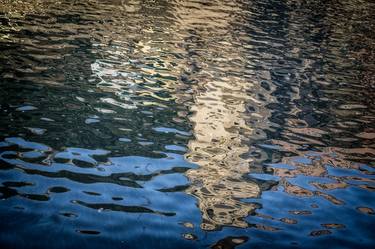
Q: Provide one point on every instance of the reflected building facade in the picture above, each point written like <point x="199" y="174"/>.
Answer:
<point x="220" y="127"/>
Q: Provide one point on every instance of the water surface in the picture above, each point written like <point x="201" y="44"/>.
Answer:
<point x="187" y="124"/>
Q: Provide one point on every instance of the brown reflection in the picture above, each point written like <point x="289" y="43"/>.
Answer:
<point x="219" y="129"/>
<point x="20" y="8"/>
<point x="220" y="126"/>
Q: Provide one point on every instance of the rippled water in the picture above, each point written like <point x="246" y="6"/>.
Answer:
<point x="187" y="124"/>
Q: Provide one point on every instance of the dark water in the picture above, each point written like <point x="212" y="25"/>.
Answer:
<point x="187" y="124"/>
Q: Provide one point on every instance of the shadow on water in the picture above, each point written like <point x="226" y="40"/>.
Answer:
<point x="186" y="124"/>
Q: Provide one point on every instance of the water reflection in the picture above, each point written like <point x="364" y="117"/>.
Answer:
<point x="220" y="127"/>
<point x="188" y="124"/>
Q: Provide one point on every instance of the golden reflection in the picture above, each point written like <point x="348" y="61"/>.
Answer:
<point x="220" y="126"/>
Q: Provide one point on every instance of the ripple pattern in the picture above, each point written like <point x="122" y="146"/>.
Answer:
<point x="187" y="124"/>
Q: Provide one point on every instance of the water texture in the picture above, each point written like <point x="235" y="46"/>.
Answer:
<point x="187" y="124"/>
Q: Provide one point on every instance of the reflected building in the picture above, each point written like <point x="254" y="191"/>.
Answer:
<point x="220" y="126"/>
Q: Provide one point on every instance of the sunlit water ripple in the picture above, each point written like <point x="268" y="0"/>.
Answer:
<point x="187" y="124"/>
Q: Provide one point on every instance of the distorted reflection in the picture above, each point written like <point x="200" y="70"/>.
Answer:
<point x="187" y="124"/>
<point x="220" y="125"/>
